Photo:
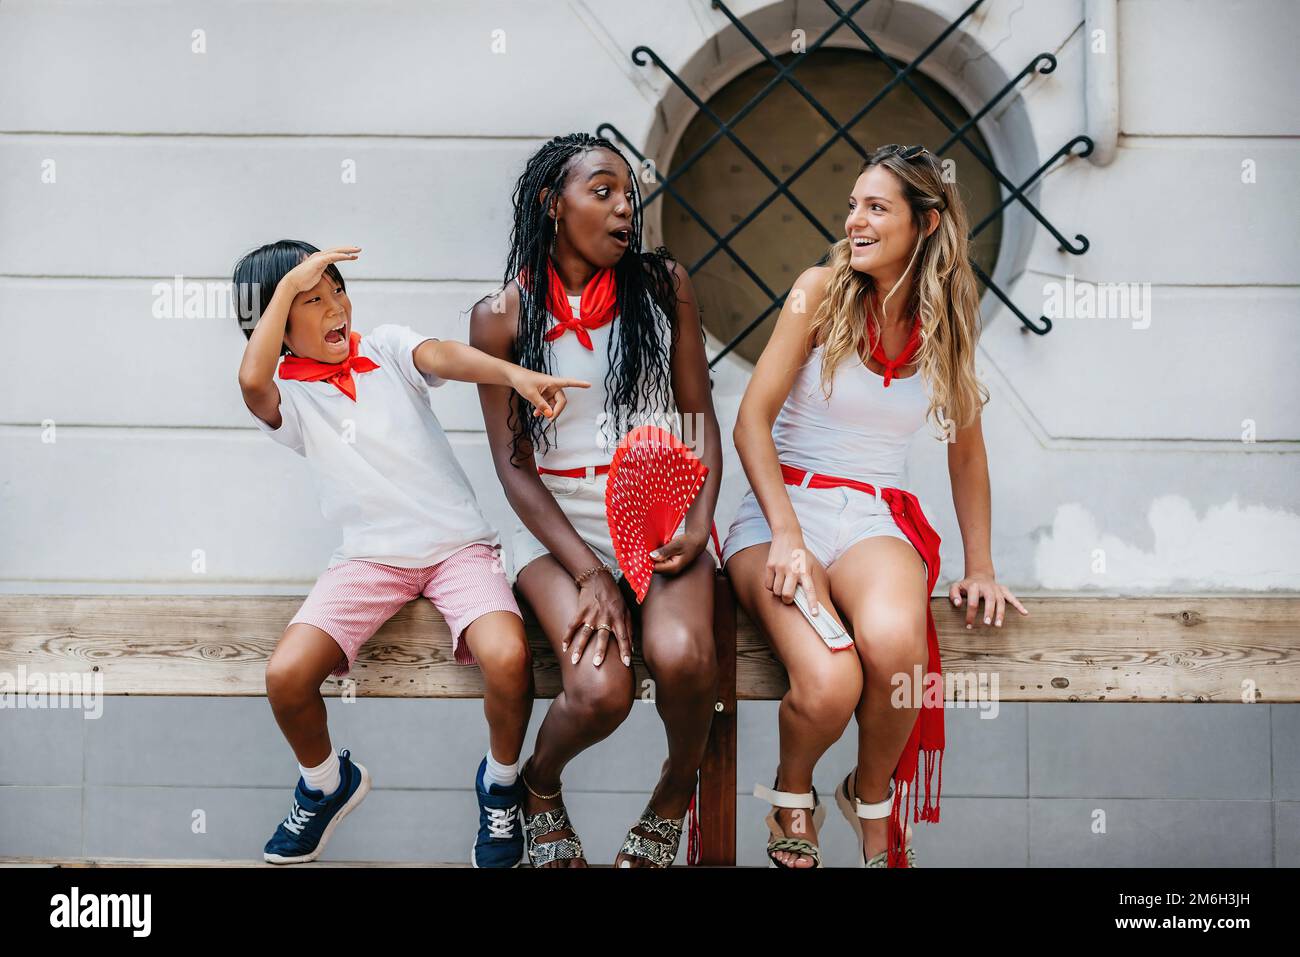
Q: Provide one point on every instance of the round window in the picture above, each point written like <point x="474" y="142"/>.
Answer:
<point x="784" y="130"/>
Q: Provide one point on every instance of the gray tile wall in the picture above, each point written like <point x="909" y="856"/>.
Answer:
<point x="1039" y="785"/>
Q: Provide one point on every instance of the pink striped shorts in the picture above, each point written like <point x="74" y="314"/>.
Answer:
<point x="352" y="599"/>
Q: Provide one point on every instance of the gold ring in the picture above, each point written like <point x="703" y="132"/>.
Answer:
<point x="586" y="627"/>
<point x="604" y="628"/>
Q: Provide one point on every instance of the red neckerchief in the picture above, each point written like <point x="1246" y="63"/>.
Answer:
<point x="927" y="733"/>
<point x="598" y="305"/>
<point x="338" y="374"/>
<point x="903" y="358"/>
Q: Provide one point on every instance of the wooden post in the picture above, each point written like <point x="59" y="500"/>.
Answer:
<point x="718" y="772"/>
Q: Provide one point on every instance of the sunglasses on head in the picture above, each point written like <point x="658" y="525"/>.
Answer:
<point x="912" y="152"/>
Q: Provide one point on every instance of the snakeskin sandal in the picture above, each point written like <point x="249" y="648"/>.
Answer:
<point x="856" y="811"/>
<point x="660" y="853"/>
<point x="779" y="841"/>
<point x="548" y="822"/>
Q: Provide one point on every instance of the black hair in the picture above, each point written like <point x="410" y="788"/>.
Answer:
<point x="260" y="271"/>
<point x="639" y="376"/>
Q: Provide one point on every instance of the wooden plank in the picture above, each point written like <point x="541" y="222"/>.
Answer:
<point x="718" y="770"/>
<point x="1101" y="649"/>
<point x="220" y="645"/>
<point x="1068" y="649"/>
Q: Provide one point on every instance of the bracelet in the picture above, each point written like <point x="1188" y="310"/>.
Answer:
<point x="540" y="797"/>
<point x="591" y="571"/>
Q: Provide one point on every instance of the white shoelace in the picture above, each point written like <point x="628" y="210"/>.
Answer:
<point x="298" y="818"/>
<point x="501" y="821"/>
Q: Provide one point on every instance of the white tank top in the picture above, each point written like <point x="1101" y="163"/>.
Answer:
<point x="862" y="432"/>
<point x="585" y="434"/>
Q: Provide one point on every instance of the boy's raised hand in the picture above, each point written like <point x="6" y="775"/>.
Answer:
<point x="307" y="273"/>
<point x="545" y="392"/>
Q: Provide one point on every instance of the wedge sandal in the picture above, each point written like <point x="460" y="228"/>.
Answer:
<point x="779" y="841"/>
<point x="855" y="812"/>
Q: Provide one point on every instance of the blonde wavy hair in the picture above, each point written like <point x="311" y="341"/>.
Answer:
<point x="944" y="294"/>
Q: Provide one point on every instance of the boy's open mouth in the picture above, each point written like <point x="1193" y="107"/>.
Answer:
<point x="336" y="334"/>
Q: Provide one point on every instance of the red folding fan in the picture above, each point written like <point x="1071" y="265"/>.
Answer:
<point x="652" y="481"/>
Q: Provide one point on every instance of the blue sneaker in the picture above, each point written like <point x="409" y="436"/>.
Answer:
<point x="500" y="823"/>
<point x="303" y="834"/>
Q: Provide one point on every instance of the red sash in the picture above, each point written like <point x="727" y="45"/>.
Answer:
<point x="927" y="732"/>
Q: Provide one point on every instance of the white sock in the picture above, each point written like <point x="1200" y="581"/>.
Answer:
<point x="498" y="773"/>
<point x="325" y="776"/>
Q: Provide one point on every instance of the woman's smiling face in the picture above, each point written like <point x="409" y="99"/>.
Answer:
<point x="320" y="322"/>
<point x="595" y="208"/>
<point x="879" y="224"/>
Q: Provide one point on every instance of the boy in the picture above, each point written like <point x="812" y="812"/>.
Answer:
<point x="357" y="408"/>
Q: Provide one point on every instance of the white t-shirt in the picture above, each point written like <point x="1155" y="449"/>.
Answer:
<point x="382" y="465"/>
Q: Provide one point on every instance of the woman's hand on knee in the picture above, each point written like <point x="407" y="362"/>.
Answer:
<point x="788" y="567"/>
<point x="601" y="614"/>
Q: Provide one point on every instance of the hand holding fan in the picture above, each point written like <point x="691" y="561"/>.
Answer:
<point x="652" y="481"/>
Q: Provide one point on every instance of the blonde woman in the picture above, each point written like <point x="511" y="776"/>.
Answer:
<point x="867" y="348"/>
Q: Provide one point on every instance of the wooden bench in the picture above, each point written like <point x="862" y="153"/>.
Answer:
<point x="1184" y="649"/>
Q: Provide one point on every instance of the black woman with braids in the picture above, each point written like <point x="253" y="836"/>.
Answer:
<point x="580" y="295"/>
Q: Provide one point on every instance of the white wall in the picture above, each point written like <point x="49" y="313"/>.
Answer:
<point x="167" y="161"/>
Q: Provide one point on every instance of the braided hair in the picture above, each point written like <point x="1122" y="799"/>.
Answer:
<point x="639" y="376"/>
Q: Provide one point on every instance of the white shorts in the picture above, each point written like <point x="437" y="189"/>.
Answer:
<point x="832" y="521"/>
<point x="583" y="502"/>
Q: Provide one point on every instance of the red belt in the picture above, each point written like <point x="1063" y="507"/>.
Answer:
<point x="927" y="734"/>
<point x="581" y="472"/>
<point x="795" y="476"/>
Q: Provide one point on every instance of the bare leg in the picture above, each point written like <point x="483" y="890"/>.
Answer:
<point x="304" y="657"/>
<point x="880" y="582"/>
<point x="498" y="642"/>
<point x="677" y="644"/>
<point x="594" y="702"/>
<point x="824" y="685"/>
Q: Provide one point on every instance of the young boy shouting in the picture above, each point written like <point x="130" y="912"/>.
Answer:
<point x="357" y="408"/>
